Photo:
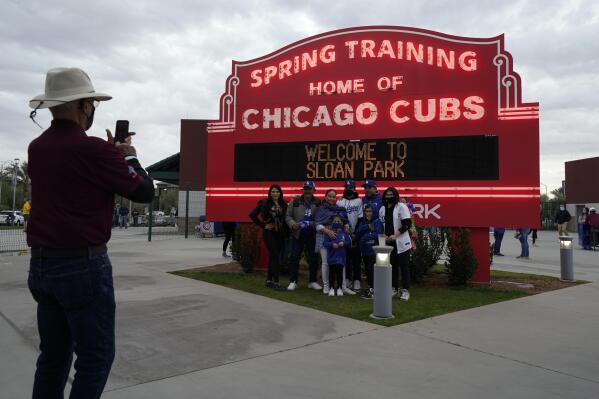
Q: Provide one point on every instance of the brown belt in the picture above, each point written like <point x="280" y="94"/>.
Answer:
<point x="40" y="252"/>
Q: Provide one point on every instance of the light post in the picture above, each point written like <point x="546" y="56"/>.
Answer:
<point x="545" y="190"/>
<point x="382" y="305"/>
<point x="14" y="182"/>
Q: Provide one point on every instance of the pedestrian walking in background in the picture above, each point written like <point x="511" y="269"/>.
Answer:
<point x="562" y="218"/>
<point x="534" y="236"/>
<point x="229" y="229"/>
<point x="300" y="220"/>
<point x="582" y="221"/>
<point x="396" y="220"/>
<point x="498" y="233"/>
<point x="123" y="216"/>
<point x="26" y="211"/>
<point x="270" y="215"/>
<point x="70" y="274"/>
<point x="522" y="235"/>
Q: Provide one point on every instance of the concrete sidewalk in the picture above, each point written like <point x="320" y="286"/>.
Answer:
<point x="186" y="339"/>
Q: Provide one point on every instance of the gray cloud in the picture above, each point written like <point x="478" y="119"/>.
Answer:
<point x="163" y="61"/>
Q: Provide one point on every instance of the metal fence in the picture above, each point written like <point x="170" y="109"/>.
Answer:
<point x="12" y="239"/>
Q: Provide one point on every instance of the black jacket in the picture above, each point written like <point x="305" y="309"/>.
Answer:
<point x="562" y="217"/>
<point x="265" y="212"/>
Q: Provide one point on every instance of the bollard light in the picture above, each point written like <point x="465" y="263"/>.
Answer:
<point x="565" y="242"/>
<point x="383" y="258"/>
<point x="566" y="255"/>
<point x="383" y="293"/>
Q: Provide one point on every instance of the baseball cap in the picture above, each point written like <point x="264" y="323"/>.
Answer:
<point x="309" y="184"/>
<point x="350" y="182"/>
<point x="369" y="183"/>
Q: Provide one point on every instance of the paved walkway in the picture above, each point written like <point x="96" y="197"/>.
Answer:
<point x="182" y="338"/>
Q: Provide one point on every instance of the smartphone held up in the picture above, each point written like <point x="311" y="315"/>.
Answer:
<point x="122" y="131"/>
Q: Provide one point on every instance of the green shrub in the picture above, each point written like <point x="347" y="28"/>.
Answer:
<point x="235" y="244"/>
<point x="461" y="262"/>
<point x="429" y="248"/>
<point x="248" y="246"/>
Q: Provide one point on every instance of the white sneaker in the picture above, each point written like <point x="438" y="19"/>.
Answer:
<point x="405" y="295"/>
<point x="314" y="286"/>
<point x="348" y="291"/>
<point x="394" y="292"/>
<point x="357" y="285"/>
<point x="347" y="283"/>
<point x="325" y="289"/>
<point x="339" y="292"/>
<point x="332" y="292"/>
<point x="291" y="286"/>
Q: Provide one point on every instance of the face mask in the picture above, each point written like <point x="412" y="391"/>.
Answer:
<point x="90" y="118"/>
<point x="336" y="225"/>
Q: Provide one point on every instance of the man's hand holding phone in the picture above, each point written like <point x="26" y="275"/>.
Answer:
<point x="125" y="147"/>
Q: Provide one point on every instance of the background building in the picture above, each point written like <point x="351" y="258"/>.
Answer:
<point x="581" y="187"/>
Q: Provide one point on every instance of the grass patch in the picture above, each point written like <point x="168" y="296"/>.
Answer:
<point x="425" y="301"/>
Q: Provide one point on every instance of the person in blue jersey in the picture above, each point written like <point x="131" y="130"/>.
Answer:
<point x="371" y="196"/>
<point x="367" y="234"/>
<point x="353" y="206"/>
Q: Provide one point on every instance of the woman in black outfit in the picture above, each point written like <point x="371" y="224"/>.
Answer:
<point x="270" y="215"/>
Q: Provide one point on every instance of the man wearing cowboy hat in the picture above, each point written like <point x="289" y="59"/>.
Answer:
<point x="73" y="181"/>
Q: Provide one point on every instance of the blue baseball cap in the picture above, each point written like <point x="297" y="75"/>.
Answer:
<point x="369" y="183"/>
<point x="309" y="184"/>
<point x="350" y="182"/>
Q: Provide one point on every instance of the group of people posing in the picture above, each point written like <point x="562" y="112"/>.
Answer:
<point x="339" y="231"/>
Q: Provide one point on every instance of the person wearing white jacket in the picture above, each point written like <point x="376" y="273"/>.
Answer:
<point x="396" y="220"/>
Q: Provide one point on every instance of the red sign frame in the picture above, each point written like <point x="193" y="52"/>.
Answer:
<point x="383" y="82"/>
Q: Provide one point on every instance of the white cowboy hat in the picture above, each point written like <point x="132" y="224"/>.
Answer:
<point x="64" y="85"/>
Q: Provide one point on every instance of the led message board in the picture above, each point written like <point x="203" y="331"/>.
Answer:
<point x="439" y="117"/>
<point x="437" y="158"/>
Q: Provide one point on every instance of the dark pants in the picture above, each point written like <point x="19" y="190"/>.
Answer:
<point x="369" y="266"/>
<point x="400" y="261"/>
<point x="305" y="243"/>
<point x="229" y="228"/>
<point x="498" y="238"/>
<point x="336" y="276"/>
<point x="534" y="236"/>
<point x="353" y="262"/>
<point x="274" y="243"/>
<point x="75" y="313"/>
<point x="524" y="242"/>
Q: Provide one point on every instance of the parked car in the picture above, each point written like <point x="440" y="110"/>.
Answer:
<point x="14" y="218"/>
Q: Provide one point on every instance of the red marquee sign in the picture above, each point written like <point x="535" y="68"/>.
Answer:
<point x="440" y="117"/>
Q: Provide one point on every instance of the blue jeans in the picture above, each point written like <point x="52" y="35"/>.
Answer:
<point x="498" y="239"/>
<point x="305" y="243"/>
<point x="524" y="241"/>
<point x="75" y="313"/>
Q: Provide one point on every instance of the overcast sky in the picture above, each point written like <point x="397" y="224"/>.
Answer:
<point x="167" y="60"/>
